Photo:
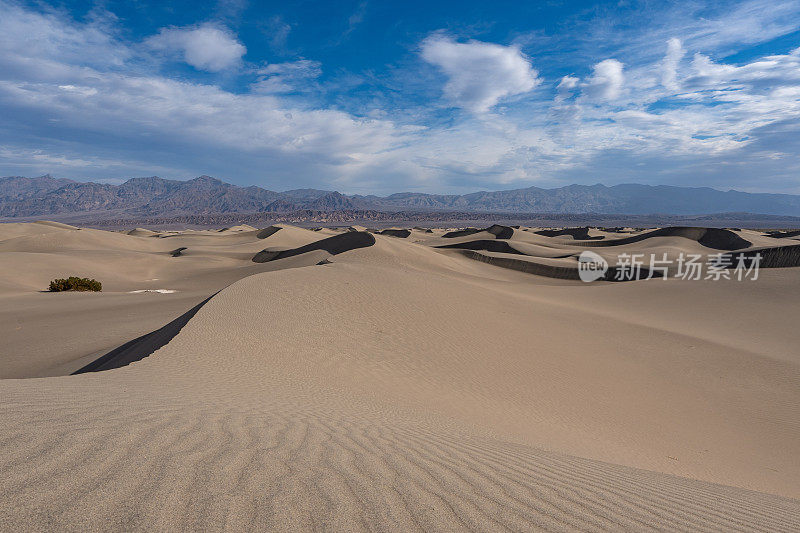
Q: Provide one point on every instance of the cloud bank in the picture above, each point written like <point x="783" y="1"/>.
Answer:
<point x="79" y="101"/>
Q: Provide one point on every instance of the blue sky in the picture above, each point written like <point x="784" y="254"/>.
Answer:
<point x="380" y="97"/>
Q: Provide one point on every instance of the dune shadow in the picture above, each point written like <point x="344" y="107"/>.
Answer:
<point x="141" y="347"/>
<point x="773" y="257"/>
<point x="718" y="239"/>
<point x="400" y="233"/>
<point x="488" y="245"/>
<point x="783" y="234"/>
<point x="576" y="233"/>
<point x="337" y="244"/>
<point x="267" y="232"/>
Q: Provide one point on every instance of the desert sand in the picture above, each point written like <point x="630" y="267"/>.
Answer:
<point x="438" y="380"/>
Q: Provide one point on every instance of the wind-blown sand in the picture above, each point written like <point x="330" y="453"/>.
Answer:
<point x="401" y="386"/>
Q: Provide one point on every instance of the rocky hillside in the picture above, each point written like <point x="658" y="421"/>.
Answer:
<point x="154" y="196"/>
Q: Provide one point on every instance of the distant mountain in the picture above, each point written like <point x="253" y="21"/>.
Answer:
<point x="18" y="188"/>
<point x="306" y="194"/>
<point x="630" y="199"/>
<point x="140" y="196"/>
<point x="332" y="201"/>
<point x="154" y="196"/>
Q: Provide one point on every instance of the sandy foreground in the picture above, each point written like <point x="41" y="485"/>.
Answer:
<point x="417" y="382"/>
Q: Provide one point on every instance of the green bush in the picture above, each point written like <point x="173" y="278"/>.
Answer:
<point x="74" y="283"/>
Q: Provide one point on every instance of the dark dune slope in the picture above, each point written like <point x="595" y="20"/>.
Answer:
<point x="783" y="234"/>
<point x="576" y="233"/>
<point x="501" y="232"/>
<point x="775" y="257"/>
<point x="718" y="239"/>
<point x="141" y="347"/>
<point x="552" y="271"/>
<point x="484" y="244"/>
<point x="333" y="245"/>
<point x="460" y="233"/>
<point x="400" y="233"/>
<point x="267" y="232"/>
<point x="521" y="265"/>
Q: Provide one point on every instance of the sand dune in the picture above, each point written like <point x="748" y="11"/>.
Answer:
<point x="334" y="245"/>
<point x="719" y="239"/>
<point x="771" y="257"/>
<point x="139" y="348"/>
<point x="460" y="233"/>
<point x="481" y="244"/>
<point x="783" y="234"/>
<point x="501" y="232"/>
<point x="405" y="386"/>
<point x="400" y="233"/>
<point x="268" y="232"/>
<point x="33" y="254"/>
<point x="142" y="232"/>
<point x="545" y="253"/>
<point x="575" y="233"/>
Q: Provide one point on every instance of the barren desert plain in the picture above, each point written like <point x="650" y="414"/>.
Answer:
<point x="403" y="380"/>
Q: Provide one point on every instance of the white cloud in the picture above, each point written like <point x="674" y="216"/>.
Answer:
<point x="767" y="72"/>
<point x="723" y="27"/>
<point x="287" y="77"/>
<point x="479" y="74"/>
<point x="145" y="121"/>
<point x="277" y="31"/>
<point x="355" y="19"/>
<point x="565" y="87"/>
<point x="100" y="115"/>
<point x="606" y="80"/>
<point x="750" y="21"/>
<point x="669" y="66"/>
<point x="204" y="47"/>
<point x="34" y="44"/>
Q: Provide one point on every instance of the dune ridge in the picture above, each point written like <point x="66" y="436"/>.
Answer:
<point x="784" y="234"/>
<point x="141" y="347"/>
<point x="770" y="257"/>
<point x="268" y="232"/>
<point x="718" y="239"/>
<point x="334" y="245"/>
<point x="400" y="233"/>
<point x="576" y="233"/>
<point x="460" y="233"/>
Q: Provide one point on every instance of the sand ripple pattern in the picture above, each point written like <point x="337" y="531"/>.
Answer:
<point x="163" y="468"/>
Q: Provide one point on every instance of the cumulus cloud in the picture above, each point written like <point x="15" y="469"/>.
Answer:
<point x="479" y="74"/>
<point x="606" y="80"/>
<point x="669" y="66"/>
<point x="205" y="47"/>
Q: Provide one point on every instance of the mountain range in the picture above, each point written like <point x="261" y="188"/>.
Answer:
<point x="154" y="196"/>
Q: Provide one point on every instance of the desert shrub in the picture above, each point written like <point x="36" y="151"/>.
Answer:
<point x="74" y="283"/>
